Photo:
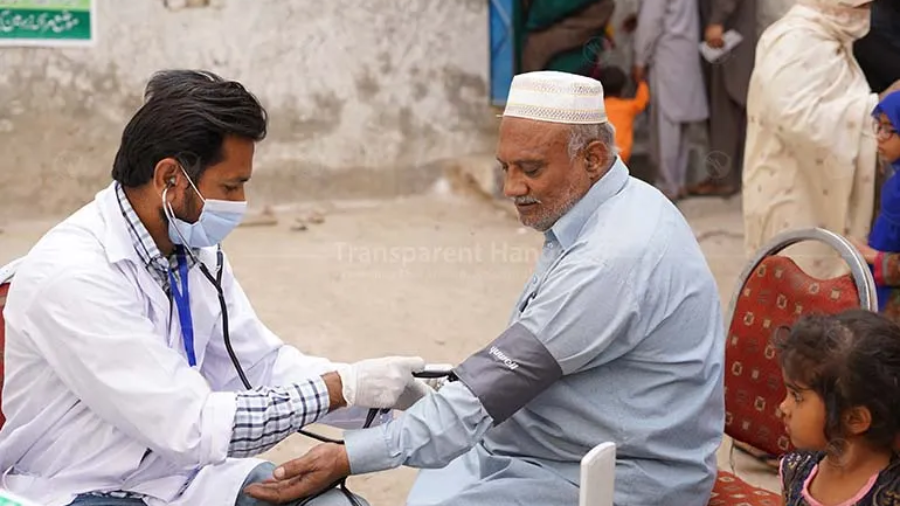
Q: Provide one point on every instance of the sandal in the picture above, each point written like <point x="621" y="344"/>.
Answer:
<point x="710" y="188"/>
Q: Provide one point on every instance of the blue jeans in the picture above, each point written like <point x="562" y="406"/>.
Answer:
<point x="260" y="473"/>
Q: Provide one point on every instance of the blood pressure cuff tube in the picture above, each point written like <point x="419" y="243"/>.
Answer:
<point x="509" y="372"/>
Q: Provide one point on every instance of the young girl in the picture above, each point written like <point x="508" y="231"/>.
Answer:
<point x="884" y="239"/>
<point x="842" y="410"/>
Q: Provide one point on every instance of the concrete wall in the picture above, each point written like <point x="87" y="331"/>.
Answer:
<point x="363" y="94"/>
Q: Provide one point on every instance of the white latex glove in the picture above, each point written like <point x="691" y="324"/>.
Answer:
<point x="378" y="382"/>
<point x="413" y="392"/>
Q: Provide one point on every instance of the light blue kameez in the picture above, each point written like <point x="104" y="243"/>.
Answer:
<point x="625" y="303"/>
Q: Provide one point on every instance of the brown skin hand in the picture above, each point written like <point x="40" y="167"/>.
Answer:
<point x="535" y="159"/>
<point x="320" y="468"/>
<point x="223" y="181"/>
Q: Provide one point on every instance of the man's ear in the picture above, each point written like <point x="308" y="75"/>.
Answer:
<point x="596" y="156"/>
<point x="857" y="420"/>
<point x="167" y="174"/>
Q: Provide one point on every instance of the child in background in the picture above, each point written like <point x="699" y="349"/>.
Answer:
<point x="622" y="111"/>
<point x="884" y="239"/>
<point x="842" y="410"/>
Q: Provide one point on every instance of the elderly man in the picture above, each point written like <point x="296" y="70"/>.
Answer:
<point x="810" y="155"/>
<point x="617" y="337"/>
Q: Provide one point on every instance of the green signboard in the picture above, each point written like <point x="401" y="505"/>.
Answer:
<point x="47" y="22"/>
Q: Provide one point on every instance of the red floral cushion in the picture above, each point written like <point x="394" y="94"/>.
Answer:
<point x="776" y="293"/>
<point x="732" y="491"/>
<point x="4" y="289"/>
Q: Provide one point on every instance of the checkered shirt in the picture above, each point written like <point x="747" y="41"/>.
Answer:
<point x="157" y="265"/>
<point x="264" y="415"/>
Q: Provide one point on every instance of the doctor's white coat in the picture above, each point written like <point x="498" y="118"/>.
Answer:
<point x="98" y="392"/>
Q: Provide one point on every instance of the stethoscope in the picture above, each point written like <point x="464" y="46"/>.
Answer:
<point x="216" y="282"/>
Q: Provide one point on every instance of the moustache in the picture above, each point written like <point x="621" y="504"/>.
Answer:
<point x="527" y="199"/>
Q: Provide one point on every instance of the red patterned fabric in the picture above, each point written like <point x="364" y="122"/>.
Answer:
<point x="776" y="293"/>
<point x="4" y="288"/>
<point x="732" y="491"/>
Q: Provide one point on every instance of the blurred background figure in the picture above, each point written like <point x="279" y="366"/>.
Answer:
<point x="878" y="52"/>
<point x="727" y="81"/>
<point x="564" y="35"/>
<point x="666" y="51"/>
<point x="621" y="110"/>
<point x="810" y="154"/>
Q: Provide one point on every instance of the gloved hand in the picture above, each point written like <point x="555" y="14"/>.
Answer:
<point x="413" y="392"/>
<point x="378" y="382"/>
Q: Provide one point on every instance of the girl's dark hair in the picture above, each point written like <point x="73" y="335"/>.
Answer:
<point x="186" y="115"/>
<point x="850" y="360"/>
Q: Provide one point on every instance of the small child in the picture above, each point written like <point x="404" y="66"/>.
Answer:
<point x="884" y="239"/>
<point x="622" y="111"/>
<point x="842" y="410"/>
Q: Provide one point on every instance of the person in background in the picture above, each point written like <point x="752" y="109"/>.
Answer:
<point x="810" y="156"/>
<point x="727" y="81"/>
<point x="883" y="249"/>
<point x="666" y="41"/>
<point x="878" y="53"/>
<point x="563" y="35"/>
<point x="841" y="410"/>
<point x="620" y="110"/>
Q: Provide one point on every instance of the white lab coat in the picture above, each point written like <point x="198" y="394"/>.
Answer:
<point x="98" y="392"/>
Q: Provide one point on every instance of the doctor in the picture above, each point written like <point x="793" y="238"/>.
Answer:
<point x="125" y="379"/>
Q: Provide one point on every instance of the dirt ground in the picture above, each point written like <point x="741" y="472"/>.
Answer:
<point x="433" y="275"/>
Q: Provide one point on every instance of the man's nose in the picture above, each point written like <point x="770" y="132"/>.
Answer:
<point x="513" y="185"/>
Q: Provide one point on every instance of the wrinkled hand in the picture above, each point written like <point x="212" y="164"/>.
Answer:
<point x="321" y="467"/>
<point x="414" y="391"/>
<point x="869" y="254"/>
<point x="639" y="73"/>
<point x="378" y="382"/>
<point x="715" y="36"/>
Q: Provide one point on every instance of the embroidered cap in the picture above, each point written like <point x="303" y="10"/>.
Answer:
<point x="556" y="97"/>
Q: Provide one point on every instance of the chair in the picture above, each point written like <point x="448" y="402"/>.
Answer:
<point x="598" y="474"/>
<point x="773" y="291"/>
<point x="6" y="275"/>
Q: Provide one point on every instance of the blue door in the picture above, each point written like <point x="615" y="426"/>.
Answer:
<point x="503" y="49"/>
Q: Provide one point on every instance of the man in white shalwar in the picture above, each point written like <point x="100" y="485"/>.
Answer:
<point x="810" y="157"/>
<point x="666" y="48"/>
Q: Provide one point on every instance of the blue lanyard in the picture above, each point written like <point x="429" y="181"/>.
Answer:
<point x="183" y="303"/>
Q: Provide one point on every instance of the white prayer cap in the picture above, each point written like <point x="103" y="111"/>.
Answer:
<point x="556" y="97"/>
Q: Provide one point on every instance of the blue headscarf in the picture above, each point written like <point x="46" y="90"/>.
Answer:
<point x="885" y="235"/>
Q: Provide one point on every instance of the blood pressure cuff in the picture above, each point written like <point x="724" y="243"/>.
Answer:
<point x="510" y="372"/>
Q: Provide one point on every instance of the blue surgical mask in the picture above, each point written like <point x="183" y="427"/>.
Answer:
<point x="217" y="219"/>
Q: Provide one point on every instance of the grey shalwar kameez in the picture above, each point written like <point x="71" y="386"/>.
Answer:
<point x="729" y="79"/>
<point x="667" y="42"/>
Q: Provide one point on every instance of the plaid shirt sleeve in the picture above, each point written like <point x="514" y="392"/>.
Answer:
<point x="266" y="415"/>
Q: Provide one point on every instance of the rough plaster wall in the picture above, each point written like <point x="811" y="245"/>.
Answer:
<point x="361" y="93"/>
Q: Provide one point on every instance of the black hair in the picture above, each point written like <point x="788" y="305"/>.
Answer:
<point x="613" y="80"/>
<point x="186" y="115"/>
<point x="850" y="360"/>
